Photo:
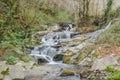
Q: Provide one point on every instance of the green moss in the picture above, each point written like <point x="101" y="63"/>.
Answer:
<point x="67" y="72"/>
<point x="110" y="69"/>
<point x="66" y="59"/>
<point x="114" y="76"/>
<point x="6" y="72"/>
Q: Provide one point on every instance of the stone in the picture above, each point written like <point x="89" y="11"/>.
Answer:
<point x="86" y="62"/>
<point x="101" y="63"/>
<point x="68" y="72"/>
<point x="33" y="77"/>
<point x="85" y="74"/>
<point x="39" y="59"/>
<point x="66" y="59"/>
<point x="67" y="56"/>
<point x="58" y="57"/>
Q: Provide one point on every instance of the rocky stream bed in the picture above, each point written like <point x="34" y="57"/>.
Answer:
<point x="61" y="56"/>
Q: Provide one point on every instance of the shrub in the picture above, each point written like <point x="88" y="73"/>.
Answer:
<point x="10" y="60"/>
<point x="114" y="76"/>
<point x="110" y="69"/>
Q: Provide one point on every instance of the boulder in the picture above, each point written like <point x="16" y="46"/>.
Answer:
<point x="58" y="57"/>
<point x="86" y="62"/>
<point x="67" y="72"/>
<point x="33" y="77"/>
<point x="67" y="56"/>
<point x="101" y="63"/>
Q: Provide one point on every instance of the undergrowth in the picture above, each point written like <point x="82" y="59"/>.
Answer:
<point x="111" y="36"/>
<point x="18" y="21"/>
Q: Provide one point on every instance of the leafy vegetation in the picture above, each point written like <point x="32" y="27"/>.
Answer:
<point x="107" y="10"/>
<point x="21" y="18"/>
<point x="110" y="69"/>
<point x="111" y="35"/>
<point x="11" y="60"/>
<point x="114" y="76"/>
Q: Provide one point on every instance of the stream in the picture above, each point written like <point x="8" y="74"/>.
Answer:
<point x="49" y="48"/>
<point x="50" y="53"/>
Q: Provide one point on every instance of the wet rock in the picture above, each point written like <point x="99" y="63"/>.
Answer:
<point x="67" y="56"/>
<point x="58" y="57"/>
<point x="40" y="59"/>
<point x="101" y="63"/>
<point x="86" y="62"/>
<point x="68" y="72"/>
<point x="98" y="75"/>
<point x="66" y="26"/>
<point x="33" y="77"/>
<point x="17" y="79"/>
<point x="68" y="78"/>
<point x="66" y="59"/>
<point x="21" y="69"/>
<point x="85" y="74"/>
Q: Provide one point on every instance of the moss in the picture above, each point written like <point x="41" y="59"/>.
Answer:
<point x="66" y="59"/>
<point x="114" y="76"/>
<point x="86" y="52"/>
<point x="110" y="69"/>
<point x="68" y="72"/>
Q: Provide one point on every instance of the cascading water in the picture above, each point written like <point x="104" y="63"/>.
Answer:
<point x="49" y="48"/>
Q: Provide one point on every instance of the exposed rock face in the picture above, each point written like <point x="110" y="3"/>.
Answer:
<point x="33" y="77"/>
<point x="105" y="61"/>
<point x="22" y="69"/>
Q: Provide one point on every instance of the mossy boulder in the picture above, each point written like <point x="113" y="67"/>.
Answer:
<point x="58" y="57"/>
<point x="66" y="59"/>
<point x="67" y="56"/>
<point x="67" y="72"/>
<point x="86" y="52"/>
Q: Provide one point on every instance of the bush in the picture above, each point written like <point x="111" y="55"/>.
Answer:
<point x="114" y="76"/>
<point x="11" y="60"/>
<point x="110" y="69"/>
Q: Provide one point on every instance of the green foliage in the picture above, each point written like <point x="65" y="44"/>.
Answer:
<point x="110" y="69"/>
<point x="114" y="76"/>
<point x="10" y="60"/>
<point x="111" y="36"/>
<point x="62" y="16"/>
<point x="56" y="16"/>
<point x="16" y="32"/>
<point x="107" y="10"/>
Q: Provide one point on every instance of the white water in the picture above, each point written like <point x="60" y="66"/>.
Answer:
<point x="49" y="49"/>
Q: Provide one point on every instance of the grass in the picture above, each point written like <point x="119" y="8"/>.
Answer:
<point x="110" y="69"/>
<point x="114" y="76"/>
<point x="111" y="36"/>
